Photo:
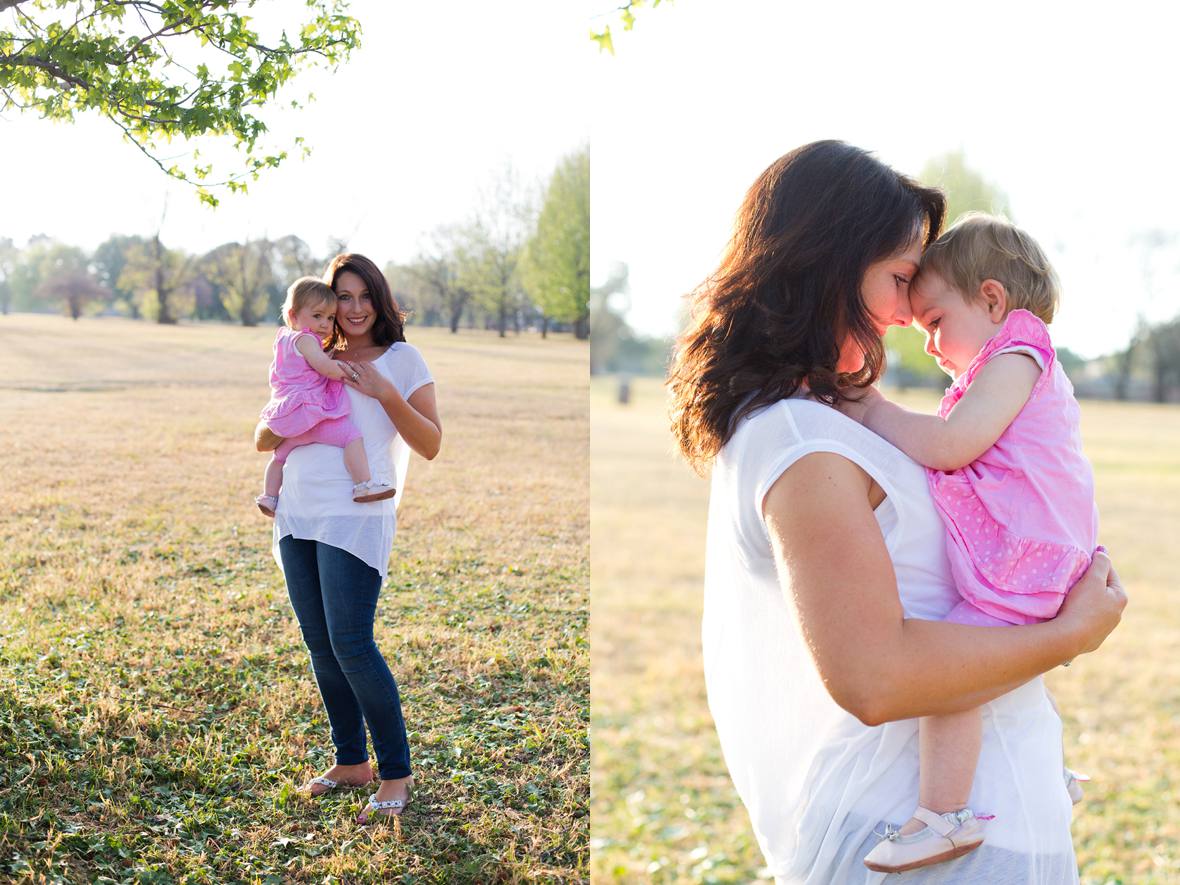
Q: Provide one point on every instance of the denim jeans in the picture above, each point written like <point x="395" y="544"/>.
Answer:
<point x="334" y="595"/>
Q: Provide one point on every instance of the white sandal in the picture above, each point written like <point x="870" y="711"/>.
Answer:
<point x="1073" y="785"/>
<point x="330" y="784"/>
<point x="372" y="490"/>
<point x="268" y="504"/>
<point x="322" y="781"/>
<point x="945" y="837"/>
<point x="394" y="807"/>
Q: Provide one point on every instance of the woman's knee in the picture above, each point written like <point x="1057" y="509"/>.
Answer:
<point x="355" y="650"/>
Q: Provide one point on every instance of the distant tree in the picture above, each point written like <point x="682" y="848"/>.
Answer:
<point x="8" y="259"/>
<point x="436" y="268"/>
<point x="966" y="189"/>
<point x="491" y="248"/>
<point x="244" y="275"/>
<point x="556" y="265"/>
<point x="24" y="278"/>
<point x="158" y="276"/>
<point x="166" y="70"/>
<point x="293" y="258"/>
<point x="439" y="265"/>
<point x="109" y="260"/>
<point x="65" y="278"/>
<point x="1156" y="249"/>
<point x="609" y="303"/>
<point x="1162" y="342"/>
<point x="1071" y="363"/>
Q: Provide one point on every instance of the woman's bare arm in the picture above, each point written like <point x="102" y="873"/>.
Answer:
<point x="876" y="663"/>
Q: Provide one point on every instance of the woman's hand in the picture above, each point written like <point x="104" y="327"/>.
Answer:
<point x="1095" y="603"/>
<point x="363" y="377"/>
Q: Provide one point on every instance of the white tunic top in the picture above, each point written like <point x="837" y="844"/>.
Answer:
<point x="815" y="780"/>
<point x="316" y="503"/>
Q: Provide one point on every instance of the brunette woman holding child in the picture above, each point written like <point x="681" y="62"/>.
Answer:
<point x="333" y="544"/>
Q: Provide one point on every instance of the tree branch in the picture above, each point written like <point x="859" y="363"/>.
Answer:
<point x="52" y="68"/>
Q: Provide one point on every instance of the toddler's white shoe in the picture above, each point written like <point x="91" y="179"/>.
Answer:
<point x="373" y="490"/>
<point x="268" y="504"/>
<point x="1073" y="785"/>
<point x="945" y="837"/>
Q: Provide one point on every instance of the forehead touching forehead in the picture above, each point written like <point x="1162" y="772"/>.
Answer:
<point x="925" y="290"/>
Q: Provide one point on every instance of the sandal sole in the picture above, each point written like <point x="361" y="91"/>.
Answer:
<point x="377" y="496"/>
<point x="926" y="861"/>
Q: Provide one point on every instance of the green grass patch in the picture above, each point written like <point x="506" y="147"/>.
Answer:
<point x="157" y="709"/>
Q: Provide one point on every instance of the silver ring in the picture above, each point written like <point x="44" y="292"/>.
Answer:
<point x="356" y="377"/>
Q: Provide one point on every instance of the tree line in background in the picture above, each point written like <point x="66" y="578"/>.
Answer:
<point x="1147" y="368"/>
<point x="515" y="264"/>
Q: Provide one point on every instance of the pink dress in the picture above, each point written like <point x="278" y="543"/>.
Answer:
<point x="1021" y="521"/>
<point x="300" y="397"/>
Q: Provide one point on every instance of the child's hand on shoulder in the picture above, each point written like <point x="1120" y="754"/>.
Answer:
<point x="859" y="403"/>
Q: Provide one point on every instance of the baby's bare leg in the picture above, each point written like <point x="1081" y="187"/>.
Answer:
<point x="272" y="480"/>
<point x="948" y="750"/>
<point x="357" y="461"/>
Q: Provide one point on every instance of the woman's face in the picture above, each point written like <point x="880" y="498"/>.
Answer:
<point x="885" y="292"/>
<point x="355" y="312"/>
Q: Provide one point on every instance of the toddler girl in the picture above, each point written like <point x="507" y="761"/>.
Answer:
<point x="1007" y="475"/>
<point x="308" y="403"/>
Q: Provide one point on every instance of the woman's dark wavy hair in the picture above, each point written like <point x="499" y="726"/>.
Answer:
<point x="788" y="290"/>
<point x="390" y="323"/>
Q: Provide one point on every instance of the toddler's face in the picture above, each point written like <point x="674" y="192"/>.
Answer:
<point x="320" y="318"/>
<point x="956" y="329"/>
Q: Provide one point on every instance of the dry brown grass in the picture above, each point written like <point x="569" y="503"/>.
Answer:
<point x="156" y="703"/>
<point x="663" y="807"/>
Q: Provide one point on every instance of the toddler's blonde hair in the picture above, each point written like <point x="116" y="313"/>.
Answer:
<point x="303" y="292"/>
<point x="980" y="247"/>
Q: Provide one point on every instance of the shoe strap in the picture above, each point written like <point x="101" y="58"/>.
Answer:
<point x="385" y="804"/>
<point x="326" y="781"/>
<point x="936" y="822"/>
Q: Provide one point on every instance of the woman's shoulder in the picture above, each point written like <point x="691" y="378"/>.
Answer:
<point x="403" y="363"/>
<point x="402" y="351"/>
<point x="799" y="416"/>
<point x="785" y="424"/>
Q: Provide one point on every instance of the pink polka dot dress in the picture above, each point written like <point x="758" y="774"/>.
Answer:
<point x="1021" y="521"/>
<point x="300" y="396"/>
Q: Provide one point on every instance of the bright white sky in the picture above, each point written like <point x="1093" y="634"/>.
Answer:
<point x="404" y="136"/>
<point x="1071" y="112"/>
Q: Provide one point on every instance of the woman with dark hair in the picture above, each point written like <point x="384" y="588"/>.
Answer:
<point x="826" y="570"/>
<point x="334" y="553"/>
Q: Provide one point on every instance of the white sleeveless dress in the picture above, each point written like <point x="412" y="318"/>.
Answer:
<point x="814" y="779"/>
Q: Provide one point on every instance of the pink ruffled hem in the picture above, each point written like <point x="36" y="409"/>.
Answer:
<point x="1018" y="580"/>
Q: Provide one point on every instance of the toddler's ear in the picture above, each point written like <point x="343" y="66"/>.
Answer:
<point x="995" y="297"/>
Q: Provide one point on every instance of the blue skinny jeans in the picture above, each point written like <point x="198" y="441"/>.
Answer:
<point x="334" y="595"/>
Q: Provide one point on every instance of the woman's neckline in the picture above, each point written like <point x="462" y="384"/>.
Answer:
<point x="343" y="354"/>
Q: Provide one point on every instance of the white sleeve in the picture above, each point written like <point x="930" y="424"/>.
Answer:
<point x="1026" y="350"/>
<point x="409" y="369"/>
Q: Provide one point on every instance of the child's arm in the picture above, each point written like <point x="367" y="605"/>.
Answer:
<point x="317" y="359"/>
<point x="989" y="405"/>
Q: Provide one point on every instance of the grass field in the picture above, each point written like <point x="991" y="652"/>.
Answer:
<point x="156" y="703"/>
<point x="663" y="808"/>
